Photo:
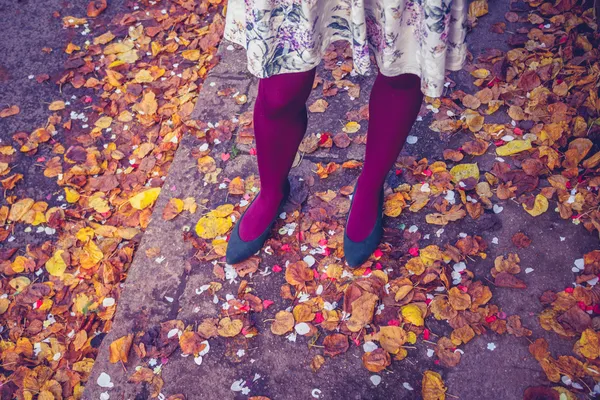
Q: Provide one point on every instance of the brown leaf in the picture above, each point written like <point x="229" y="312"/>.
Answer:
<point x="95" y="8"/>
<point x="520" y="240"/>
<point x="298" y="273"/>
<point x="318" y="106"/>
<point x="9" y="111"/>
<point x="191" y="343"/>
<point x="376" y="360"/>
<point x="284" y="323"/>
<point x="458" y="299"/>
<point x="317" y="362"/>
<point x="445" y="351"/>
<point x="515" y="327"/>
<point x="507" y="280"/>
<point x="335" y="344"/>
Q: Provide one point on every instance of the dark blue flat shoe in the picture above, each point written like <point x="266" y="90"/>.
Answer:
<point x="237" y="249"/>
<point x="358" y="252"/>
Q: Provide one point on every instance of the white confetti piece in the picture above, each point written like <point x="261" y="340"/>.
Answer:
<point x="430" y="352"/>
<point x="529" y="270"/>
<point x="108" y="302"/>
<point x="375" y="379"/>
<point x="410" y="139"/>
<point x="315" y="393"/>
<point x="497" y="209"/>
<point x="310" y="260"/>
<point x="104" y="396"/>
<point x="491" y="346"/>
<point x="579" y="264"/>
<point x="407" y="386"/>
<point x="369" y="346"/>
<point x="302" y="328"/>
<point x="104" y="381"/>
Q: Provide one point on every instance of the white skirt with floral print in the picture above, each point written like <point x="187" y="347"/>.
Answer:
<point x="422" y="37"/>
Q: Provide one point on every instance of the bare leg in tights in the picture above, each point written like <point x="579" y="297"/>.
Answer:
<point x="280" y="120"/>
<point x="393" y="108"/>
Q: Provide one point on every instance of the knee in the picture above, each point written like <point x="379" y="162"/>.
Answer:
<point x="285" y="94"/>
<point x="278" y="102"/>
<point x="403" y="81"/>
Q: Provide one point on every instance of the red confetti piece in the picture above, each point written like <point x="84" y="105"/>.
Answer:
<point x="569" y="290"/>
<point x="267" y="303"/>
<point x="367" y="271"/>
<point x="319" y="318"/>
<point x="413" y="251"/>
<point x="277" y="268"/>
<point x="378" y="253"/>
<point x="225" y="156"/>
<point x="394" y="322"/>
<point x="252" y="152"/>
<point x="426" y="334"/>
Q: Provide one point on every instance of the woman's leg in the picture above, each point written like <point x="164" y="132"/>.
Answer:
<point x="280" y="119"/>
<point x="393" y="108"/>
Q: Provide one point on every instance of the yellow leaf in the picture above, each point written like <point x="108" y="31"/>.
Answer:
<point x="433" y="387"/>
<point x="513" y="147"/>
<point x="412" y="314"/>
<point x="85" y="234"/>
<point x="103" y="122"/>
<point x="144" y="76"/>
<point x="463" y="171"/>
<point x="394" y="204"/>
<point x="144" y="199"/>
<point x="148" y="105"/>
<point x="351" y="127"/>
<point x="478" y="8"/>
<point x="19" y="283"/>
<point x="19" y="264"/>
<point x="82" y="303"/>
<point x="481" y="73"/>
<point x="211" y="226"/>
<point x="540" y="206"/>
<point x="92" y="255"/>
<point x="19" y="209"/>
<point x="229" y="327"/>
<point x="56" y="265"/>
<point x="189" y="204"/>
<point x="71" y="48"/>
<point x="192" y="55"/>
<point x="56" y="105"/>
<point x="104" y="38"/>
<point x="392" y="338"/>
<point x="119" y="349"/>
<point x="71" y="195"/>
<point x="589" y="345"/>
<point x="99" y="204"/>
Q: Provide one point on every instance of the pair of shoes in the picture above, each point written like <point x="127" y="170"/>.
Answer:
<point x="358" y="252"/>
<point x="239" y="250"/>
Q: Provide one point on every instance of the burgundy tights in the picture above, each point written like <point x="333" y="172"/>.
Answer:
<point x="280" y="120"/>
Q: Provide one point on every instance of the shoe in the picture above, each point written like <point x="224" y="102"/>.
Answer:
<point x="358" y="252"/>
<point x="239" y="250"/>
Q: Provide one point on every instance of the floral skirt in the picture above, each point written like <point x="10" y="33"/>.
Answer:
<point x="422" y="37"/>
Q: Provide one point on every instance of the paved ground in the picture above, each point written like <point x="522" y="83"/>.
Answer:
<point x="284" y="367"/>
<point x="157" y="292"/>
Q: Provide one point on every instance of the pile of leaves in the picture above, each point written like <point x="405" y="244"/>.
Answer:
<point x="124" y="105"/>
